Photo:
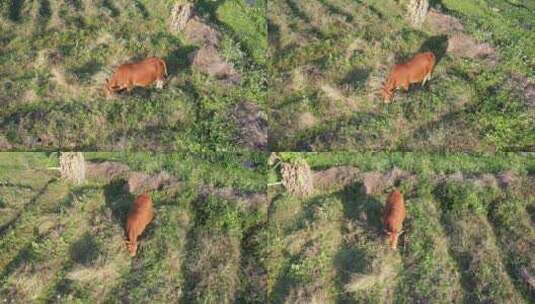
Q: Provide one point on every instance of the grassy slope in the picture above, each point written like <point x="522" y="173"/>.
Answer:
<point x="56" y="54"/>
<point x="66" y="243"/>
<point x="464" y="242"/>
<point x="330" y="56"/>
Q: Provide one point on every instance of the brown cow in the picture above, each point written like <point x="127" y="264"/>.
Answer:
<point x="139" y="216"/>
<point x="137" y="74"/>
<point x="394" y="214"/>
<point x="418" y="69"/>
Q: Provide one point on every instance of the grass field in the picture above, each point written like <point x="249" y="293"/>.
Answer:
<point x="468" y="236"/>
<point x="64" y="244"/>
<point x="328" y="59"/>
<point x="56" y="54"/>
<point x="218" y="238"/>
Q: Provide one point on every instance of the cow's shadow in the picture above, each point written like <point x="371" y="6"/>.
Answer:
<point x="118" y="200"/>
<point x="85" y="251"/>
<point x="208" y="8"/>
<point x="85" y="71"/>
<point x="365" y="212"/>
<point x="178" y="61"/>
<point x="362" y="208"/>
<point x="436" y="44"/>
<point x="357" y="77"/>
<point x="531" y="212"/>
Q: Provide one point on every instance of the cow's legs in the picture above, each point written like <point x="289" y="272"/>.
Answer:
<point x="426" y="78"/>
<point x="159" y="84"/>
<point x="116" y="89"/>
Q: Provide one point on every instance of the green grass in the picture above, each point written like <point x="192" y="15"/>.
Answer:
<point x="56" y="55"/>
<point x="466" y="239"/>
<point x="64" y="243"/>
<point x="328" y="58"/>
<point x="427" y="162"/>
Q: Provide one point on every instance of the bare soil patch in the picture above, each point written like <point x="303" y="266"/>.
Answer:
<point x="252" y="125"/>
<point x="141" y="182"/>
<point x="207" y="60"/>
<point x="440" y="23"/>
<point x="335" y="177"/>
<point x="107" y="170"/>
<point x="463" y="45"/>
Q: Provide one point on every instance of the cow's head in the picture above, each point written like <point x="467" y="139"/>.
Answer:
<point x="393" y="237"/>
<point x="107" y="88"/>
<point x="387" y="94"/>
<point x="132" y="247"/>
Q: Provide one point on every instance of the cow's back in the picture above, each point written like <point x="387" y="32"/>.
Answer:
<point x="423" y="61"/>
<point x="139" y="216"/>
<point x="141" y="73"/>
<point x="394" y="211"/>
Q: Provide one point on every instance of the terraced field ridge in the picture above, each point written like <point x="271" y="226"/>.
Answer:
<point x="61" y="243"/>
<point x="55" y="56"/>
<point x="468" y="236"/>
<point x="329" y="59"/>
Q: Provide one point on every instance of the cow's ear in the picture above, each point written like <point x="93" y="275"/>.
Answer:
<point x="107" y="80"/>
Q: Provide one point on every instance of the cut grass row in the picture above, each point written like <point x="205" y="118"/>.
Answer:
<point x="68" y="246"/>
<point x="464" y="241"/>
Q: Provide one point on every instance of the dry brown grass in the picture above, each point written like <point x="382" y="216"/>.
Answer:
<point x="68" y="86"/>
<point x="72" y="167"/>
<point x="297" y="178"/>
<point x="180" y="15"/>
<point x="306" y="120"/>
<point x="209" y="61"/>
<point x="416" y="11"/>
<point x="384" y="269"/>
<point x="335" y="94"/>
<point x="216" y="268"/>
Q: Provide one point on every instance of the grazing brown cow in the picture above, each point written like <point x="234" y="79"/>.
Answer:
<point x="394" y="215"/>
<point x="418" y="69"/>
<point x="139" y="216"/>
<point x="137" y="74"/>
